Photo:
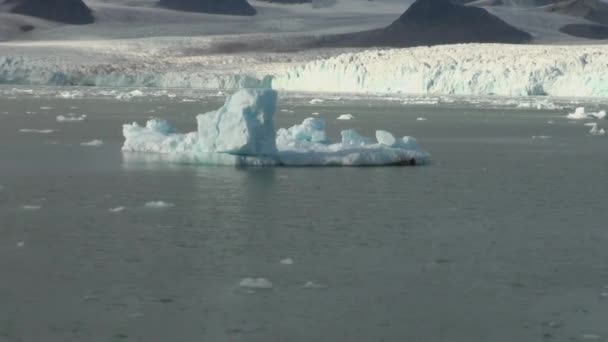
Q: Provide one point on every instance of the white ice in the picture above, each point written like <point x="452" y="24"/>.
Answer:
<point x="31" y="207"/>
<point x="158" y="205"/>
<point x="313" y="285"/>
<point x="345" y="117"/>
<point x="92" y="143"/>
<point x="242" y="133"/>
<point x="595" y="130"/>
<point x="421" y="119"/>
<point x="287" y="261"/>
<point x="41" y="131"/>
<point x="316" y="101"/>
<point x="581" y="114"/>
<point x="71" y="118"/>
<point x="116" y="210"/>
<point x="255" y="283"/>
<point x="20" y="244"/>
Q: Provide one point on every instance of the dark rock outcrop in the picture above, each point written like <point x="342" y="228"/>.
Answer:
<point x="229" y="7"/>
<point x="586" y="31"/>
<point x="592" y="10"/>
<point x="65" y="11"/>
<point x="434" y="22"/>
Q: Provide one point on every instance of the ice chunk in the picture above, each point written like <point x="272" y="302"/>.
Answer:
<point x="242" y="133"/>
<point x="31" y="207"/>
<point x="579" y="114"/>
<point x="351" y="137"/>
<point x="287" y="261"/>
<point x="311" y="131"/>
<point x="117" y="209"/>
<point x="92" y="143"/>
<point x="20" y="244"/>
<point x="599" y="115"/>
<point x="130" y="95"/>
<point x="46" y="108"/>
<point x="313" y="285"/>
<point x="385" y="138"/>
<point x="315" y="101"/>
<point x="41" y="131"/>
<point x="345" y="117"/>
<point x="158" y="205"/>
<point x="595" y="130"/>
<point x="243" y="126"/>
<point x="541" y="137"/>
<point x="421" y="119"/>
<point x="255" y="283"/>
<point x="71" y="118"/>
<point x="315" y="113"/>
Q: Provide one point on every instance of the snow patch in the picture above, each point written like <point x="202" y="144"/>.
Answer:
<point x="255" y="283"/>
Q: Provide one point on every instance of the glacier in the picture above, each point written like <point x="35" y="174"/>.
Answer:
<point x="463" y="70"/>
<point x="242" y="133"/>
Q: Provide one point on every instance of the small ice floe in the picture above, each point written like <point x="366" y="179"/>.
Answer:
<point x="541" y="137"/>
<point x="286" y="111"/>
<point x="313" y="285"/>
<point x="46" y="108"/>
<point x="550" y="122"/>
<point x="595" y="130"/>
<point x="188" y="100"/>
<point x="41" y="131"/>
<point x="599" y="115"/>
<point x="71" y="118"/>
<point x="345" y="117"/>
<point x="116" y="210"/>
<point x="421" y="119"/>
<point x="158" y="205"/>
<point x="315" y="113"/>
<point x="92" y="143"/>
<point x="579" y="114"/>
<point x="255" y="283"/>
<point x="31" y="207"/>
<point x="20" y="244"/>
<point x="30" y="113"/>
<point x="130" y="95"/>
<point x="315" y="101"/>
<point x="69" y="94"/>
<point x="590" y="337"/>
<point x="287" y="261"/>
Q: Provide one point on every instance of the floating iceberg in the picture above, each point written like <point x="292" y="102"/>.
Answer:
<point x="581" y="114"/>
<point x="595" y="130"/>
<point x="242" y="133"/>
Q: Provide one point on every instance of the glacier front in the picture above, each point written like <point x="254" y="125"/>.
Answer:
<point x="242" y="133"/>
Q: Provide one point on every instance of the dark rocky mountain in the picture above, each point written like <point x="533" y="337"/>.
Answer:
<point x="65" y="11"/>
<point x="229" y="7"/>
<point x="593" y="10"/>
<point x="434" y="22"/>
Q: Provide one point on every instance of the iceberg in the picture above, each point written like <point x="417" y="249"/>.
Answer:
<point x="242" y="133"/>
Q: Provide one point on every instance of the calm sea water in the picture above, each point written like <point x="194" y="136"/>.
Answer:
<point x="502" y="238"/>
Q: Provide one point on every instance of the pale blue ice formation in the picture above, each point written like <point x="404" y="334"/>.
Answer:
<point x="242" y="132"/>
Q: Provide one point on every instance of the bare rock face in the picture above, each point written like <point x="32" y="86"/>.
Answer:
<point x="435" y="22"/>
<point x="229" y="7"/>
<point x="65" y="11"/>
<point x="588" y="31"/>
<point x="593" y="10"/>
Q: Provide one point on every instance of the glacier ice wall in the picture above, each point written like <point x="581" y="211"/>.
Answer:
<point x="468" y="69"/>
<point x="242" y="133"/>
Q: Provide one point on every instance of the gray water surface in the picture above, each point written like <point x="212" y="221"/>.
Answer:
<point x="502" y="238"/>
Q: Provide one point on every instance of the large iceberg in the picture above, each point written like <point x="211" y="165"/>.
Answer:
<point x="242" y="133"/>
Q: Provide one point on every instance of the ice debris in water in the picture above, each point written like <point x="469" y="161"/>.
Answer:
<point x="242" y="132"/>
<point x="71" y="118"/>
<point x="255" y="283"/>
<point x="92" y="143"/>
<point x="595" y="130"/>
<point x="116" y="210"/>
<point x="345" y="117"/>
<point x="20" y="244"/>
<point x="313" y="285"/>
<point x="158" y="205"/>
<point x="315" y="113"/>
<point x="130" y="95"/>
<point x="541" y="137"/>
<point x="287" y="261"/>
<point x="30" y="207"/>
<point x="581" y="114"/>
<point x="46" y="108"/>
<point x="421" y="119"/>
<point x="41" y="131"/>
<point x="315" y="101"/>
